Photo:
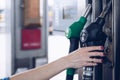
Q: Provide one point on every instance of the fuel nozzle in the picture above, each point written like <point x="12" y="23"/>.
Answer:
<point x="93" y="35"/>
<point x="73" y="34"/>
<point x="93" y="32"/>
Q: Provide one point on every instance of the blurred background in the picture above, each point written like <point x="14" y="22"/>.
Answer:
<point x="32" y="33"/>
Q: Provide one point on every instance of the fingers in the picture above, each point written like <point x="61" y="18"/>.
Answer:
<point x="90" y="64"/>
<point x="93" y="48"/>
<point x="94" y="60"/>
<point x="96" y="54"/>
<point x="92" y="54"/>
<point x="89" y="58"/>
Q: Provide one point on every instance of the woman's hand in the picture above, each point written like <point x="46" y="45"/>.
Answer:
<point x="76" y="59"/>
<point x="82" y="57"/>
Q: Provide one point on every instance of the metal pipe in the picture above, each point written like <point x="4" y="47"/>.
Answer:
<point x="87" y="10"/>
<point x="96" y="9"/>
<point x="116" y="27"/>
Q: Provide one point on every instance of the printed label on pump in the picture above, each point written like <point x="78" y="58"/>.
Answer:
<point x="31" y="39"/>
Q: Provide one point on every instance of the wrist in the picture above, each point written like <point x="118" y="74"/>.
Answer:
<point x="66" y="62"/>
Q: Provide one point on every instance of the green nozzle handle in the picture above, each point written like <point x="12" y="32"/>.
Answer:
<point x="75" y="29"/>
<point x="73" y="33"/>
<point x="70" y="71"/>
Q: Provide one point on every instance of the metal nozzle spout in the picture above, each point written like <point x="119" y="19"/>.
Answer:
<point x="106" y="9"/>
<point x="88" y="9"/>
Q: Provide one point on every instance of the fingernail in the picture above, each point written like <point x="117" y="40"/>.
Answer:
<point x="103" y="54"/>
<point x="102" y="47"/>
<point x="102" y="61"/>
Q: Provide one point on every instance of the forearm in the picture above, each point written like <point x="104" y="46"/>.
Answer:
<point x="43" y="73"/>
<point x="76" y="59"/>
